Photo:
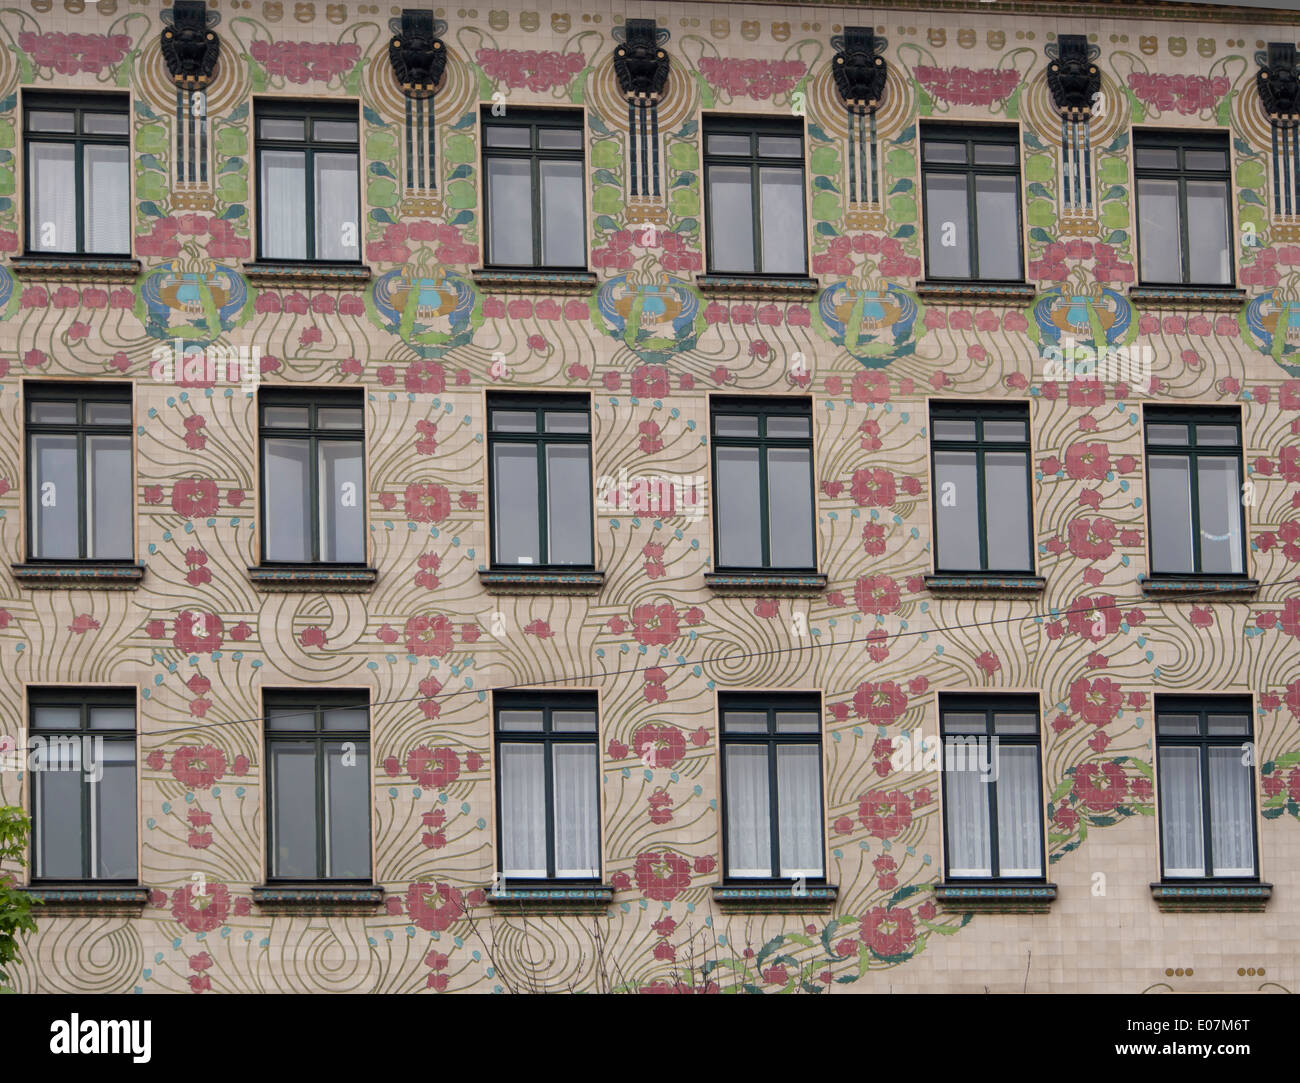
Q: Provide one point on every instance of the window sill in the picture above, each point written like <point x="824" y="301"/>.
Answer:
<point x="761" y="287"/>
<point x="270" y="273"/>
<point x="552" y="898"/>
<point x="56" y="576"/>
<point x="1163" y="586"/>
<point x="540" y="581"/>
<point x="1184" y="296"/>
<point x="782" y="897"/>
<point x="534" y="281"/>
<point x="1172" y="896"/>
<point x="994" y="896"/>
<point x="78" y="899"/>
<point x="748" y="583"/>
<point x="312" y="577"/>
<point x="317" y="899"/>
<point x="976" y="293"/>
<point x="115" y="268"/>
<point x="980" y="584"/>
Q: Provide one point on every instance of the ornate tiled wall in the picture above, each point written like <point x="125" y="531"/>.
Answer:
<point x="425" y="341"/>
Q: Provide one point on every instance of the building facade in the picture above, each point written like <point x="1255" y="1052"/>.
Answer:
<point x="652" y="497"/>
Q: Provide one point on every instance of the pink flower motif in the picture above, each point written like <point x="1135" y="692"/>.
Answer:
<point x="962" y="86"/>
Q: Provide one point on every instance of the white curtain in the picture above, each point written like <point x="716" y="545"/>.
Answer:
<point x="52" y="183"/>
<point x="577" y="827"/>
<point x="284" y="201"/>
<point x="967" y="799"/>
<point x="337" y="208"/>
<point x="108" y="199"/>
<point x="1231" y="821"/>
<point x="798" y="783"/>
<point x="1020" y="848"/>
<point x="523" y="810"/>
<point x="1180" y="811"/>
<point x="749" y="820"/>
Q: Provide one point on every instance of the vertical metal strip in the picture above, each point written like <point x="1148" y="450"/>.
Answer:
<point x="419" y="142"/>
<point x="1074" y="165"/>
<point x="410" y="149"/>
<point x="631" y="140"/>
<point x="433" y="176"/>
<point x="194" y="137"/>
<point x="1277" y="174"/>
<point x="203" y="143"/>
<point x="875" y="162"/>
<point x="1295" y="164"/>
<point x="1087" y="162"/>
<point x="180" y="135"/>
<point x="645" y="155"/>
<point x="654" y="142"/>
<point x="853" y="162"/>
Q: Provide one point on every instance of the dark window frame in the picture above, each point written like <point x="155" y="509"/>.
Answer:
<point x="761" y="408"/>
<point x="979" y="412"/>
<point x="317" y="702"/>
<point x="1182" y="142"/>
<point x="770" y="703"/>
<point x="78" y="104"/>
<point x="1203" y="707"/>
<point x="309" y="112"/>
<point x="534" y="120"/>
<point x="82" y="394"/>
<point x="548" y="703"/>
<point x="990" y="705"/>
<point x="540" y="403"/>
<point x="324" y="398"/>
<point x="84" y="700"/>
<point x="1191" y="417"/>
<point x="754" y="127"/>
<point x="970" y="135"/>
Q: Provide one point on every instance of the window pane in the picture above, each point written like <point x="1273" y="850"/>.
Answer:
<point x="568" y="503"/>
<point x="1166" y="434"/>
<point x="285" y="417"/>
<point x="783" y="221"/>
<point x="964" y="722"/>
<point x="780" y="146"/>
<point x="113" y="812"/>
<point x="948" y="244"/>
<point x="1207" y="232"/>
<point x="52" y="188"/>
<point x="1229" y="724"/>
<point x="1206" y="159"/>
<point x="117" y="718"/>
<point x="108" y="485"/>
<point x="510" y="211"/>
<point x="995" y="154"/>
<point x="735" y="425"/>
<point x="1180" y="812"/>
<point x="515" y="504"/>
<point x="728" y="144"/>
<point x="54" y="497"/>
<point x="352" y="719"/>
<point x="520" y="720"/>
<point x="749" y="818"/>
<point x="339" y="417"/>
<point x="798" y="787"/>
<point x="574" y="422"/>
<point x="953" y="429"/>
<point x="797" y="722"/>
<point x="1171" y="514"/>
<point x="731" y="217"/>
<point x="293" y="809"/>
<point x="1219" y="493"/>
<point x="283" y="183"/>
<point x="559" y="138"/>
<point x="1157" y="158"/>
<point x="287" y="506"/>
<point x="997" y="218"/>
<point x="957" y="511"/>
<point x="108" y="413"/>
<point x="1232" y="822"/>
<point x="342" y="501"/>
<point x="966" y="796"/>
<point x="514" y="421"/>
<point x="789" y="427"/>
<point x="108" y="199"/>
<point x="335" y="131"/>
<point x="291" y="718"/>
<point x="56" y="718"/>
<point x="498" y="135"/>
<point x="577" y="820"/>
<point x="573" y="721"/>
<point x="1013" y="722"/>
<point x="1020" y="846"/>
<point x="1006" y="511"/>
<point x="745" y="722"/>
<point x="523" y="810"/>
<point x="53" y="413"/>
<point x="57" y="807"/>
<point x="1160" y="239"/>
<point x="1004" y="430"/>
<point x="563" y="220"/>
<point x="740" y="543"/>
<point x="347" y="808"/>
<point x="337" y="229"/>
<point x="1177" y="725"/>
<point x="1216" y="435"/>
<point x="283" y="128"/>
<point x="790" y="507"/>
<point x="52" y="120"/>
<point x="947" y="153"/>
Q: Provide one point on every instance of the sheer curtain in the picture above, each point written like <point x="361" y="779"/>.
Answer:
<point x="337" y="208"/>
<point x="577" y="829"/>
<point x="798" y="783"/>
<point x="283" y="183"/>
<point x="1231" y="819"/>
<point x="966" y="796"/>
<point x="749" y="820"/>
<point x="52" y="183"/>
<point x="523" y="810"/>
<point x="1180" y="811"/>
<point x="108" y="199"/>
<point x="1020" y="848"/>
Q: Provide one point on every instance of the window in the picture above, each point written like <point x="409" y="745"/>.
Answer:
<point x="1184" y="216"/>
<point x="981" y="484"/>
<point x="548" y="777"/>
<point x="78" y="151"/>
<point x="753" y="172"/>
<point x="318" y="779"/>
<point x="772" y="787"/>
<point x="1194" y="492"/>
<point x="1205" y="757"/>
<point x="308" y="182"/>
<point x="971" y="176"/>
<point x="540" y="483"/>
<point x="79" y="472"/>
<point x="313" y="486"/>
<point x="763" y="478"/>
<point x="82" y="760"/>
<point x="992" y="787"/>
<point x="533" y="184"/>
